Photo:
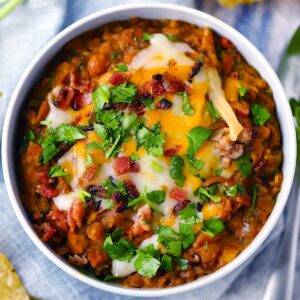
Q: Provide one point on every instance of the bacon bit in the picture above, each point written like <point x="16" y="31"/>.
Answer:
<point x="77" y="101"/>
<point x="164" y="104"/>
<point x="245" y="200"/>
<point x="178" y="194"/>
<point x="95" y="232"/>
<point x="181" y="205"/>
<point x="260" y="167"/>
<point x="213" y="180"/>
<point x="172" y="84"/>
<point x="131" y="189"/>
<point x="88" y="175"/>
<point x="124" y="164"/>
<point x="117" y="79"/>
<point x="170" y="152"/>
<point x="58" y="219"/>
<point x="75" y="215"/>
<point x="65" y="97"/>
<point x="157" y="87"/>
<point x="43" y="176"/>
<point x="97" y="190"/>
<point x="79" y="84"/>
<point x="241" y="109"/>
<point x="46" y="190"/>
<point x="227" y="64"/>
<point x="143" y="218"/>
<point x="46" y="231"/>
<point x="96" y="256"/>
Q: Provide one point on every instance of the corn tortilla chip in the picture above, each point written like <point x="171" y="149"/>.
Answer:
<point x="11" y="287"/>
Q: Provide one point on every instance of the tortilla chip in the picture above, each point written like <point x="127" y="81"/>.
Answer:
<point x="11" y="287"/>
<point x="231" y="3"/>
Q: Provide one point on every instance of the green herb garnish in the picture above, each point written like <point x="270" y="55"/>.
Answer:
<point x="260" y="115"/>
<point x="176" y="169"/>
<point x="196" y="138"/>
<point x="244" y="164"/>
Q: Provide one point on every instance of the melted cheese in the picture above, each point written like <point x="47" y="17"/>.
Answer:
<point x="64" y="201"/>
<point x="160" y="52"/>
<point x="58" y="116"/>
<point x="218" y="98"/>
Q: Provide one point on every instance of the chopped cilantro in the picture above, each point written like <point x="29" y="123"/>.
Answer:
<point x="213" y="227"/>
<point x="204" y="192"/>
<point x="123" y="93"/>
<point x="89" y="159"/>
<point x="49" y="148"/>
<point x="189" y="214"/>
<point x="121" y="68"/>
<point x="46" y="123"/>
<point x="186" y="234"/>
<point x="170" y="240"/>
<point x="101" y="131"/>
<point x="233" y="190"/>
<point x="111" y="185"/>
<point x="29" y="136"/>
<point x="260" y="114"/>
<point x="156" y="166"/>
<point x="254" y="199"/>
<point x="195" y="165"/>
<point x="94" y="145"/>
<point x="57" y="171"/>
<point x="147" y="37"/>
<point x="115" y="55"/>
<point x="212" y="110"/>
<point x="166" y="263"/>
<point x="83" y="194"/>
<point x="134" y="156"/>
<point x="244" y="164"/>
<point x="182" y="263"/>
<point x="173" y="37"/>
<point x="69" y="133"/>
<point x="100" y="96"/>
<point x="109" y="278"/>
<point x="176" y="168"/>
<point x="157" y="197"/>
<point x="218" y="172"/>
<point x="151" y="139"/>
<point x="119" y="250"/>
<point x="243" y="91"/>
<point x="186" y="106"/>
<point x="148" y="102"/>
<point x="196" y="137"/>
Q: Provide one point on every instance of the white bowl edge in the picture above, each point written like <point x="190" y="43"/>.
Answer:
<point x="152" y="11"/>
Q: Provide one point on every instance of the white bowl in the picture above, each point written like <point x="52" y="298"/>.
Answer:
<point x="153" y="11"/>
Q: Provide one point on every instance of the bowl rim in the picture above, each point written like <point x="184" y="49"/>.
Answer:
<point x="290" y="160"/>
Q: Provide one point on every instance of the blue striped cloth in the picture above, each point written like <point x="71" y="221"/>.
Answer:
<point x="22" y="34"/>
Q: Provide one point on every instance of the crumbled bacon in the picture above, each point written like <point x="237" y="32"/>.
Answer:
<point x="181" y="205"/>
<point x="157" y="87"/>
<point x="261" y="166"/>
<point x="178" y="194"/>
<point x="97" y="190"/>
<point x="43" y="176"/>
<point x="172" y="84"/>
<point x="76" y="215"/>
<point x="46" y="231"/>
<point x="58" y="219"/>
<point x="80" y="84"/>
<point x="172" y="151"/>
<point x="65" y="97"/>
<point x="117" y="78"/>
<point x="124" y="164"/>
<point x="131" y="189"/>
<point x="88" y="175"/>
<point x="141" y="222"/>
<point x="46" y="190"/>
<point x="244" y="199"/>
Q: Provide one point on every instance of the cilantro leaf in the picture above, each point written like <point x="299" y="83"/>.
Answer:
<point x="182" y="263"/>
<point x="100" y="96"/>
<point x="243" y="91"/>
<point x="157" y="197"/>
<point x="212" y="110"/>
<point x="260" y="114"/>
<point x="57" y="171"/>
<point x="195" y="165"/>
<point x="173" y="37"/>
<point x="213" y="227"/>
<point x="196" y="137"/>
<point x="148" y="102"/>
<point x="166" y="263"/>
<point x="146" y="265"/>
<point x="186" y="234"/>
<point x="186" y="106"/>
<point x="146" y="37"/>
<point x="176" y="168"/>
<point x="170" y="240"/>
<point x="101" y="131"/>
<point x="29" y="136"/>
<point x="119" y="250"/>
<point x="82" y="194"/>
<point x="121" y="68"/>
<point x="244" y="164"/>
<point x="89" y="159"/>
<point x="152" y="140"/>
<point x="123" y="93"/>
<point x="233" y="190"/>
<point x="189" y="214"/>
<point x="49" y="148"/>
<point x="134" y="156"/>
<point x="254" y="198"/>
<point x="111" y="185"/>
<point x="69" y="133"/>
<point x="204" y="192"/>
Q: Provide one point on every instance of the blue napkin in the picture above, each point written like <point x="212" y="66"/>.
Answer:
<point x="23" y="33"/>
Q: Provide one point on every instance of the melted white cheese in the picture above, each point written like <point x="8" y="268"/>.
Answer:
<point x="64" y="201"/>
<point x="125" y="268"/>
<point x="160" y="52"/>
<point x="57" y="116"/>
<point x="217" y="96"/>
